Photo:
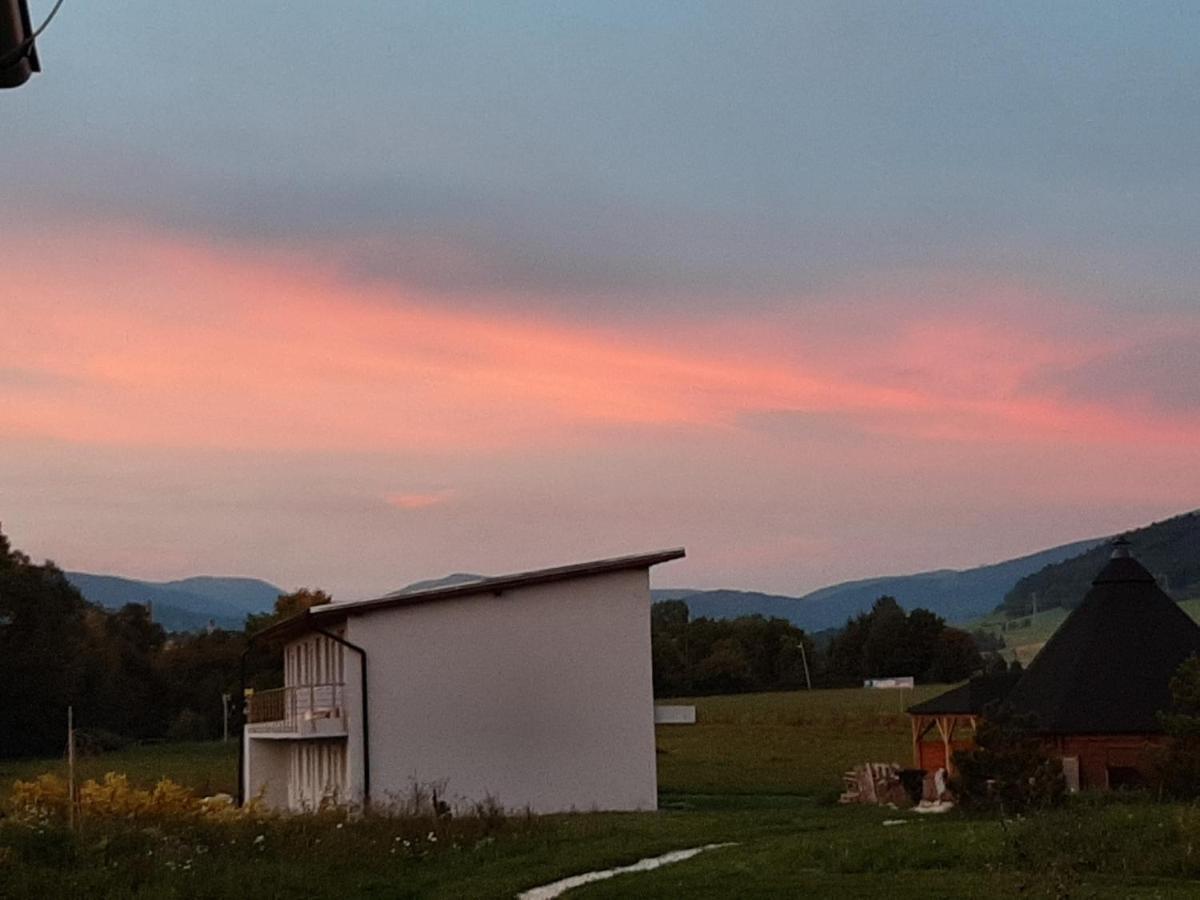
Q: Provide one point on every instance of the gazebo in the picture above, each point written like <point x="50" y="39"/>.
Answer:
<point x="953" y="715"/>
<point x="1094" y="691"/>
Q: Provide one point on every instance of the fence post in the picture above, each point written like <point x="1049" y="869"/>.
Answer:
<point x="71" y="767"/>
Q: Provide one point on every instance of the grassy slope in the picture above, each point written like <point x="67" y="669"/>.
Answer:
<point x="1023" y="643"/>
<point x="747" y="773"/>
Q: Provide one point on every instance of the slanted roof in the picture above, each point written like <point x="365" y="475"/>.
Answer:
<point x="330" y="613"/>
<point x="1107" y="669"/>
<point x="967" y="699"/>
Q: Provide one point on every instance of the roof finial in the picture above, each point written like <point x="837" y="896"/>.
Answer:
<point x="1121" y="548"/>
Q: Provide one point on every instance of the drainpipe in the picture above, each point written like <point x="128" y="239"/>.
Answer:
<point x="366" y="724"/>
<point x="241" y="797"/>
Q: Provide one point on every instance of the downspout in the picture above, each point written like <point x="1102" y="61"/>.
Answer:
<point x="366" y="723"/>
<point x="241" y="796"/>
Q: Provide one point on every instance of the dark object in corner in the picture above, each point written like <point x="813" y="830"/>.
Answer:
<point x="18" y="54"/>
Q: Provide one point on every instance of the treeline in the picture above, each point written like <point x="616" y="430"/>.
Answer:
<point x="126" y="678"/>
<point x="754" y="653"/>
<point x="130" y="680"/>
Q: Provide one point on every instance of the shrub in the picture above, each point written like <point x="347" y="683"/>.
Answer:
<point x="1179" y="764"/>
<point x="39" y="802"/>
<point x="44" y="802"/>
<point x="1008" y="771"/>
<point x="189" y="725"/>
<point x="41" y="845"/>
<point x="95" y="741"/>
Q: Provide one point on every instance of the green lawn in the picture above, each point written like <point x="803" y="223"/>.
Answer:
<point x="756" y="771"/>
<point x="786" y="743"/>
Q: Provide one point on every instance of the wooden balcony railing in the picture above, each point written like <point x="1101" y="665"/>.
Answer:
<point x="300" y="709"/>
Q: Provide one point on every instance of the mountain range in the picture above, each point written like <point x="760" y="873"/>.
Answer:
<point x="955" y="595"/>
<point x="1171" y="548"/>
<point x="188" y="604"/>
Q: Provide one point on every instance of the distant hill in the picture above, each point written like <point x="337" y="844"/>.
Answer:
<point x="185" y="605"/>
<point x="957" y="596"/>
<point x="1170" y="549"/>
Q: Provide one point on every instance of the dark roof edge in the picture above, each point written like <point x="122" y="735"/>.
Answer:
<point x="333" y="612"/>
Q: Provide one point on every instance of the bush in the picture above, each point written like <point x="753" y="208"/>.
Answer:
<point x="189" y="725"/>
<point x="39" y="845"/>
<point x="1008" y="771"/>
<point x="1179" y="764"/>
<point x="44" y="802"/>
<point x="95" y="741"/>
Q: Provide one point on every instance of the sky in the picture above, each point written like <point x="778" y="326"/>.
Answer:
<point x="819" y="290"/>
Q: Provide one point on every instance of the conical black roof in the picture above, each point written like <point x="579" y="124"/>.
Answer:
<point x="1108" y="668"/>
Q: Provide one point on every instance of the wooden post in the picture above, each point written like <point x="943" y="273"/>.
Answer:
<point x="916" y="742"/>
<point x="71" y="767"/>
<point x="225" y="716"/>
<point x="947" y="734"/>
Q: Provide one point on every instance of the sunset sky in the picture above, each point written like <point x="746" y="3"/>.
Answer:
<point x="348" y="295"/>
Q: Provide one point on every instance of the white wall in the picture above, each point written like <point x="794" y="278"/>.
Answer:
<point x="541" y="696"/>
<point x="267" y="765"/>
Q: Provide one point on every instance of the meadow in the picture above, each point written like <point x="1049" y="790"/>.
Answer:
<point x="1024" y="636"/>
<point x="757" y="771"/>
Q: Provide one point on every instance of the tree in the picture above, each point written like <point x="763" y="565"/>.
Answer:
<point x="845" y="656"/>
<point x="122" y="692"/>
<point x="669" y="617"/>
<point x="724" y="670"/>
<point x="42" y="639"/>
<point x="922" y="632"/>
<point x="668" y="632"/>
<point x="955" y="656"/>
<point x="1008" y="770"/>
<point x="1179" y="767"/>
<point x="883" y="650"/>
<point x="300" y="601"/>
<point x="287" y="605"/>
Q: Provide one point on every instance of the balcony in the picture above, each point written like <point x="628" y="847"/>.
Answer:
<point x="309" y="710"/>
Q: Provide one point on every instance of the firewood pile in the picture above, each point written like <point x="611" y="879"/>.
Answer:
<point x="877" y="784"/>
<point x="887" y="784"/>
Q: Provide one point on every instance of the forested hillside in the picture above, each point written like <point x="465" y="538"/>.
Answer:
<point x="1170" y="549"/>
<point x="125" y="676"/>
<point x="955" y="595"/>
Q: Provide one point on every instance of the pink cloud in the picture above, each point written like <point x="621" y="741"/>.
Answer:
<point x="418" y="500"/>
<point x="148" y="342"/>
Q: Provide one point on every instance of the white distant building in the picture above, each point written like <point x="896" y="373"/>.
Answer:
<point x="534" y="689"/>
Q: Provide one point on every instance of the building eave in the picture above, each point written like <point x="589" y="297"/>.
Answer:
<point x="332" y="613"/>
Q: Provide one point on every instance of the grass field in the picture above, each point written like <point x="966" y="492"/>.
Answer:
<point x="1022" y="642"/>
<point x="788" y="743"/>
<point x="756" y="771"/>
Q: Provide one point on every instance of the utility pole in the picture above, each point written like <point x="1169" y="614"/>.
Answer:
<point x="804" y="659"/>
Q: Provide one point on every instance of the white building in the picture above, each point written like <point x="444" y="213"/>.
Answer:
<point x="533" y="689"/>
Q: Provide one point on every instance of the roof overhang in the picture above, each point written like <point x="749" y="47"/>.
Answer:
<point x="323" y="617"/>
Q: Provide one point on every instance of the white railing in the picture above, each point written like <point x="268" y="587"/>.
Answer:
<point x="300" y="709"/>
